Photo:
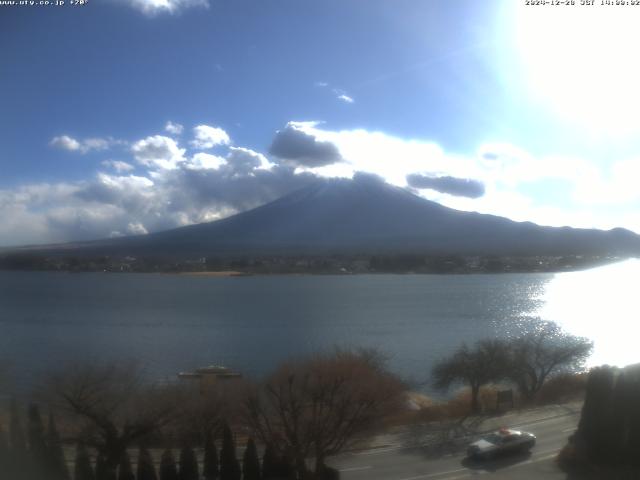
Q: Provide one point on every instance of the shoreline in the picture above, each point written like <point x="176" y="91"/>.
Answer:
<point x="221" y="273"/>
<point x="508" y="266"/>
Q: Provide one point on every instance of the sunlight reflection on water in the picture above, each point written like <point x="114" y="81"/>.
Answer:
<point x="601" y="304"/>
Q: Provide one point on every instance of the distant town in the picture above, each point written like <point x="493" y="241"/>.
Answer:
<point x="320" y="264"/>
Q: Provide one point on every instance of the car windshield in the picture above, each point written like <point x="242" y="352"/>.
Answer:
<point x="493" y="438"/>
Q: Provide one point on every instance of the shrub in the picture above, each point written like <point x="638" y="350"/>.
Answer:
<point x="250" y="462"/>
<point x="562" y="387"/>
<point x="16" y="434"/>
<point x="4" y="452"/>
<point x="83" y="468"/>
<point x="188" y="465"/>
<point x="229" y="466"/>
<point x="329" y="473"/>
<point x="269" y="463"/>
<point x="211" y="467"/>
<point x="125" y="471"/>
<point x="37" y="443"/>
<point x="168" y="469"/>
<point x="101" y="469"/>
<point x="333" y="399"/>
<point x="56" y="463"/>
<point x="146" y="470"/>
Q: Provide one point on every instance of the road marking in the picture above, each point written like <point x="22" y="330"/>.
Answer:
<point x="467" y="472"/>
<point x="569" y="430"/>
<point x="474" y="473"/>
<point x="355" y="469"/>
<point x="542" y="420"/>
<point x="376" y="451"/>
<point x="528" y="462"/>
<point x="394" y="448"/>
<point x="544" y="452"/>
<point x="431" y="475"/>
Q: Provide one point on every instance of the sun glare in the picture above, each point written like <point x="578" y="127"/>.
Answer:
<point x="582" y="62"/>
<point x="599" y="304"/>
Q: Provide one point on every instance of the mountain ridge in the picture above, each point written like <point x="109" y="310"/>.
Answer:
<point x="361" y="216"/>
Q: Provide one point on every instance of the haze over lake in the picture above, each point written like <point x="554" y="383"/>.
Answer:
<point x="171" y="323"/>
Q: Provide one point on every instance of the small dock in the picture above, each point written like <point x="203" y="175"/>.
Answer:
<point x="210" y="376"/>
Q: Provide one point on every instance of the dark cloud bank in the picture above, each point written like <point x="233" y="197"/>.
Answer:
<point x="301" y="149"/>
<point x="461" y="187"/>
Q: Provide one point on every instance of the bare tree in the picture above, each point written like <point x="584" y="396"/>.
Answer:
<point x="202" y="414"/>
<point x="115" y="408"/>
<point x="475" y="367"/>
<point x="5" y="377"/>
<point x="319" y="406"/>
<point x="542" y="352"/>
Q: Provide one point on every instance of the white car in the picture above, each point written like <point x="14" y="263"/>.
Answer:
<point x="503" y="441"/>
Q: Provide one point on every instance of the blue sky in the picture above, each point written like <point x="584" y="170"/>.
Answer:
<point x="129" y="116"/>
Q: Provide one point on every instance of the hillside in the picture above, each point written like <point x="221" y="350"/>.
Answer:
<point x="361" y="217"/>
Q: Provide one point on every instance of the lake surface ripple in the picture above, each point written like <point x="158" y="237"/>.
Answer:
<point x="171" y="323"/>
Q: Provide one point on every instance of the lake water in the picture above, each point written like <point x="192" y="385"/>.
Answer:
<point x="171" y="323"/>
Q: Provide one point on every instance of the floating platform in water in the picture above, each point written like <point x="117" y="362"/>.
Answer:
<point x="211" y="372"/>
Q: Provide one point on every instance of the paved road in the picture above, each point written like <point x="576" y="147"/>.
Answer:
<point x="398" y="462"/>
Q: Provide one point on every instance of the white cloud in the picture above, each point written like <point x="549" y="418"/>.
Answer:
<point x="116" y="204"/>
<point x="136" y="228"/>
<point x="245" y="160"/>
<point x="118" y="165"/>
<point x="173" y="187"/>
<point x="158" y="151"/>
<point x="40" y="213"/>
<point x="65" y="142"/>
<point x="209" y="137"/>
<point x="124" y="182"/>
<point x="616" y="186"/>
<point x="204" y="161"/>
<point x="340" y="94"/>
<point x="516" y="181"/>
<point x="390" y="157"/>
<point x="345" y="98"/>
<point x="173" y="128"/>
<point x="239" y="161"/>
<point x="155" y="7"/>
<point x="513" y="166"/>
<point x="95" y="144"/>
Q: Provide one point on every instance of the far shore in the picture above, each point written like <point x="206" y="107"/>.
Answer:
<point x="223" y="273"/>
<point x="314" y="265"/>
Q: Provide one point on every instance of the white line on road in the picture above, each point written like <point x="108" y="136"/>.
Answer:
<point x="568" y="430"/>
<point x="355" y="469"/>
<point x="437" y="474"/>
<point x="471" y="473"/>
<point x="395" y="448"/>
<point x="528" y="462"/>
<point x="544" y="420"/>
<point x="376" y="451"/>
